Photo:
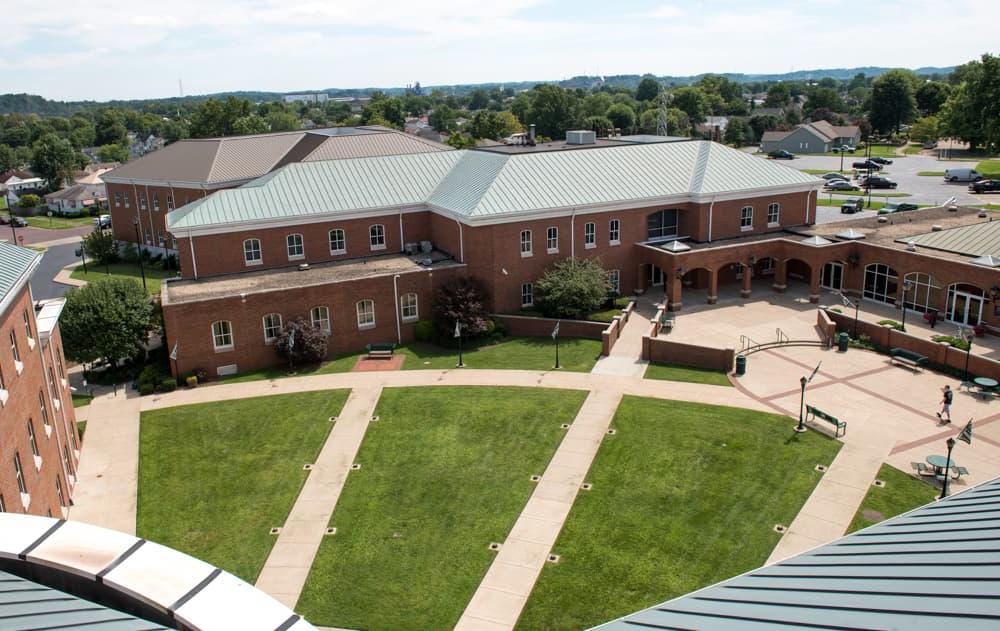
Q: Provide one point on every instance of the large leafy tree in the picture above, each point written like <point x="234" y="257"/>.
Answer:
<point x="100" y="245"/>
<point x="388" y="110"/>
<point x="112" y="153"/>
<point x="691" y="101"/>
<point x="892" y="100"/>
<point x="621" y="116"/>
<point x="931" y="96"/>
<point x="54" y="159"/>
<point x="552" y="110"/>
<point x="460" y="300"/>
<point x="493" y="125"/>
<point x="110" y="128"/>
<point x="250" y="124"/>
<point x="972" y="111"/>
<point x="108" y="319"/>
<point x="649" y="89"/>
<point x="573" y="288"/>
<point x="8" y="160"/>
<point x="739" y="133"/>
<point x="309" y="345"/>
<point x="777" y="95"/>
<point x="443" y="119"/>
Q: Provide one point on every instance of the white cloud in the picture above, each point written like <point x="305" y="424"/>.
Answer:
<point x="662" y="12"/>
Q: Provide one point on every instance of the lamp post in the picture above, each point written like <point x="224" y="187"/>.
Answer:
<point x="555" y="336"/>
<point x="968" y="334"/>
<point x="803" y="382"/>
<point x="944" y="485"/>
<point x="142" y="270"/>
<point x="857" y="306"/>
<point x="906" y="287"/>
<point x="83" y="257"/>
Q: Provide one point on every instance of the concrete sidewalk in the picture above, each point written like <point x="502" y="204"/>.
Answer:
<point x="625" y="359"/>
<point x="287" y="568"/>
<point x="108" y="475"/>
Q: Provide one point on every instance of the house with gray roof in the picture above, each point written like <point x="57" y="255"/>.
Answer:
<point x="815" y="137"/>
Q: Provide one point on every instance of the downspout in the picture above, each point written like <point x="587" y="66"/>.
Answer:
<point x="572" y="235"/>
<point x="149" y="207"/>
<point x="194" y="261"/>
<point x="402" y="241"/>
<point x="808" y="197"/>
<point x="395" y="293"/>
<point x="461" y="242"/>
<point x="711" y="207"/>
<point x="138" y="217"/>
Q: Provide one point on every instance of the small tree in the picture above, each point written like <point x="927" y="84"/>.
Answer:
<point x="573" y="288"/>
<point x="463" y="300"/>
<point x="30" y="200"/>
<point x="100" y="245"/>
<point x="310" y="343"/>
<point x="107" y="319"/>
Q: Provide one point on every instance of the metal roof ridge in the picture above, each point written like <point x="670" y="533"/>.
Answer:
<point x="700" y="167"/>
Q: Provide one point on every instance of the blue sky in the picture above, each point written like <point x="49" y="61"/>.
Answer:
<point x="110" y="49"/>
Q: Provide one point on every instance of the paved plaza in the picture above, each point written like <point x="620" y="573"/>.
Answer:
<point x="890" y="412"/>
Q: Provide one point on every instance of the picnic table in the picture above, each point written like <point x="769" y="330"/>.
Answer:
<point x="986" y="385"/>
<point x="941" y="464"/>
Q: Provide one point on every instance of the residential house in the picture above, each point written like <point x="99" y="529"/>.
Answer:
<point x="18" y="183"/>
<point x="816" y="137"/>
<point x="77" y="197"/>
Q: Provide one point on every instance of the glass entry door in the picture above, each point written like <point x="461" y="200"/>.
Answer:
<point x="833" y="276"/>
<point x="655" y="276"/>
<point x="965" y="308"/>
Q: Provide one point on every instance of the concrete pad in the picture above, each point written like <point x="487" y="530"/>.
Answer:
<point x="515" y="579"/>
<point x="539" y="508"/>
<point x="535" y="530"/>
<point x="497" y="606"/>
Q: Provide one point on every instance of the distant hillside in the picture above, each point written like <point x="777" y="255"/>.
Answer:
<point x="34" y="104"/>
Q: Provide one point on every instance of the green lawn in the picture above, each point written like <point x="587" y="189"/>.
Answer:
<point x="931" y="173"/>
<point x="883" y="151"/>
<point x="523" y="353"/>
<point x="673" y="372"/>
<point x="96" y="271"/>
<point x="912" y="149"/>
<point x="55" y="222"/>
<point x="215" y="477"/>
<point x="881" y="193"/>
<point x="445" y="471"/>
<point x="81" y="428"/>
<point x="684" y="495"/>
<point x="989" y="206"/>
<point x="989" y="168"/>
<point x="3" y="203"/>
<point x="821" y="171"/>
<point x="902" y="492"/>
<point x="80" y="400"/>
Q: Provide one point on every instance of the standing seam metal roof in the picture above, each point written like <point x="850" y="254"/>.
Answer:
<point x="14" y="263"/>
<point x="935" y="567"/>
<point x="979" y="239"/>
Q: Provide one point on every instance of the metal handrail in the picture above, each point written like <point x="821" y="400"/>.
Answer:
<point x="749" y="350"/>
<point x="782" y="337"/>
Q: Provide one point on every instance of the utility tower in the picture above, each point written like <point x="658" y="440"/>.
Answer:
<point x="661" y="112"/>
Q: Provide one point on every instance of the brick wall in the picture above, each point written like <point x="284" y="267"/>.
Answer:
<point x="153" y="217"/>
<point x="656" y="349"/>
<point x="540" y="327"/>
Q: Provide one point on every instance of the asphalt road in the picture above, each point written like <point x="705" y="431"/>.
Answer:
<point x="54" y="259"/>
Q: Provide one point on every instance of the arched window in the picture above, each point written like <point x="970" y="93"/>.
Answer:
<point x="251" y="252"/>
<point x="773" y="214"/>
<point x="590" y="235"/>
<point x="296" y="248"/>
<point x="526" y="243"/>
<point x="272" y="327"/>
<point x="881" y="283"/>
<point x="408" y="307"/>
<point x="320" y="317"/>
<point x="376" y="236"/>
<point x="338" y="241"/>
<point x="366" y="313"/>
<point x="222" y="335"/>
<point x="662" y="224"/>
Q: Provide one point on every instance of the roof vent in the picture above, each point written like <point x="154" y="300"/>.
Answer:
<point x="987" y="261"/>
<point x="937" y="228"/>
<point x="911" y="246"/>
<point x="851" y="234"/>
<point x="816" y="240"/>
<point x="581" y="137"/>
<point x="675" y="246"/>
<point x="303" y="267"/>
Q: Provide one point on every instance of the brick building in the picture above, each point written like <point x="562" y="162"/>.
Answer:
<point x="141" y="192"/>
<point x="39" y="447"/>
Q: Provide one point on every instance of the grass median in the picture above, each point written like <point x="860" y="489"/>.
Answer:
<point x="96" y="271"/>
<point x="901" y="493"/>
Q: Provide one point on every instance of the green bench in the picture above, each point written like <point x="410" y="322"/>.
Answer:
<point x="960" y="471"/>
<point x="667" y="322"/>
<point x="909" y="358"/>
<point x="815" y="413"/>
<point x="381" y="350"/>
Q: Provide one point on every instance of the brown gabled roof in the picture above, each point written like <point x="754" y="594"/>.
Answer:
<point x="78" y="192"/>
<point x="392" y="143"/>
<point x="770" y="136"/>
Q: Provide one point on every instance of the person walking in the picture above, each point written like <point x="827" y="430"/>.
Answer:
<point x="946" y="396"/>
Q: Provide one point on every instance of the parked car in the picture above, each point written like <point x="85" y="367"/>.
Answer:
<point x="781" y="154"/>
<point x="880" y="160"/>
<point x="930" y="144"/>
<point x="962" y="175"/>
<point x="852" y="206"/>
<point x="840" y="185"/>
<point x="833" y="175"/>
<point x="102" y="221"/>
<point x="843" y="149"/>
<point x="19" y="222"/>
<point x="894" y="207"/>
<point x="877" y="181"/>
<point x="866" y="165"/>
<point x="985" y="186"/>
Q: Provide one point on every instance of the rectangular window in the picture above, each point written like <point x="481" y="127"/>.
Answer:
<point x="126" y="199"/>
<point x="27" y="324"/>
<point x="526" y="243"/>
<point x="296" y="249"/>
<point x="222" y="335"/>
<point x="338" y="241"/>
<point x="661" y="224"/>
<point x="614" y="232"/>
<point x="746" y="218"/>
<point x="376" y="236"/>
<point x="41" y="406"/>
<point x="614" y="279"/>
<point x="142" y="201"/>
<point x="118" y="199"/>
<point x="13" y="346"/>
<point x="552" y="240"/>
<point x="170" y="202"/>
<point x="366" y="314"/>
<point x="773" y="214"/>
<point x="320" y="317"/>
<point x="3" y="506"/>
<point x="66" y="462"/>
<point x="251" y="252"/>
<point x="31" y="438"/>
<point x="156" y="201"/>
<point x="19" y="473"/>
<point x="527" y="295"/>
<point x="590" y="235"/>
<point x="59" y="491"/>
<point x="408" y="307"/>
<point x="272" y="327"/>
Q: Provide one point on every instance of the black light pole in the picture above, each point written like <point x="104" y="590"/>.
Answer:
<point x="10" y="211"/>
<point x="83" y="257"/>
<point x="868" y="163"/>
<point x="142" y="270"/>
<point x="968" y="335"/>
<point x="906" y="287"/>
<point x="803" y="382"/>
<point x="857" y="306"/>
<point x="944" y="485"/>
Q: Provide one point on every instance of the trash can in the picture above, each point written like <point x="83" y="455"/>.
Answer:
<point x="842" y="341"/>
<point x="741" y="365"/>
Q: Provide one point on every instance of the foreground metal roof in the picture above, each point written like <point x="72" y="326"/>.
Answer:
<point x="16" y="264"/>
<point x="480" y="185"/>
<point x="978" y="239"/>
<point x="936" y="567"/>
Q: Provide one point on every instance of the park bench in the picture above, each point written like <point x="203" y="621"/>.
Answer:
<point x="381" y="350"/>
<point x="960" y="471"/>
<point x="815" y="413"/>
<point x="907" y="357"/>
<point x="921" y="468"/>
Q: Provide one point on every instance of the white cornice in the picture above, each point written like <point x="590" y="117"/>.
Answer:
<point x="19" y="284"/>
<point x="281" y="222"/>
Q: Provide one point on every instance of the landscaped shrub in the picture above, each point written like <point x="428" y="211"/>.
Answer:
<point x="309" y="342"/>
<point x="101" y="246"/>
<point x="29" y="200"/>
<point x="168" y="385"/>
<point x="573" y="288"/>
<point x="130" y="253"/>
<point x="423" y="330"/>
<point x="460" y="300"/>
<point x="146" y="389"/>
<point x="94" y="211"/>
<point x="957" y="342"/>
<point x="891" y="323"/>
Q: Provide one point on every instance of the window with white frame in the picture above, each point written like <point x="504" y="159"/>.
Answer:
<point x="142" y="201"/>
<point x="272" y="327"/>
<point x="31" y="439"/>
<point x="614" y="232"/>
<point x="590" y="235"/>
<point x="338" y="241"/>
<point x="614" y="279"/>
<point x="366" y="313"/>
<point x="118" y="199"/>
<point x="66" y="462"/>
<point x="156" y="201"/>
<point x="251" y="252"/>
<point x="59" y="491"/>
<point x="126" y="198"/>
<point x="27" y="324"/>
<point x="552" y="240"/>
<point x="746" y="218"/>
<point x="527" y="295"/>
<point x="222" y="335"/>
<point x="295" y="246"/>
<point x="3" y="507"/>
<point x="170" y="202"/>
<point x="526" y="243"/>
<point x="19" y="474"/>
<point x="408" y="307"/>
<point x="376" y="236"/>
<point x="773" y="213"/>
<point x="320" y="317"/>
<point x="13" y="347"/>
<point x="41" y="406"/>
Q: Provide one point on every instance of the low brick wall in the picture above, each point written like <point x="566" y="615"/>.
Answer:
<point x="610" y="335"/>
<point x="538" y="327"/>
<point x="827" y="327"/>
<point x="656" y="349"/>
<point x="936" y="352"/>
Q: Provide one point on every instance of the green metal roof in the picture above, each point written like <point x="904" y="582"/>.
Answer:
<point x="936" y="567"/>
<point x="978" y="239"/>
<point x="15" y="262"/>
<point x="27" y="605"/>
<point x="479" y="184"/>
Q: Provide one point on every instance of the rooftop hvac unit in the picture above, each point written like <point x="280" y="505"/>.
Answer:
<point x="427" y="262"/>
<point x="426" y="247"/>
<point x="411" y="248"/>
<point x="581" y="137"/>
<point x="303" y="267"/>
